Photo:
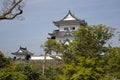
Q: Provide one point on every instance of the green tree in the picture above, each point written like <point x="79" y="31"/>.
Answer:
<point x="3" y="60"/>
<point x="112" y="67"/>
<point x="52" y="45"/>
<point x="20" y="71"/>
<point x="49" y="46"/>
<point x="82" y="58"/>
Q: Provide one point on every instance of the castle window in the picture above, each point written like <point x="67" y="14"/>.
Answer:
<point x="72" y="28"/>
<point x="66" y="28"/>
<point x="53" y="37"/>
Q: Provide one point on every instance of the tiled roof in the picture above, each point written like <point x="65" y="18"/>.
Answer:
<point x="22" y="51"/>
<point x="70" y="19"/>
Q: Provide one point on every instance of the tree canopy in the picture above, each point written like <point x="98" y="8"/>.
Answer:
<point x="88" y="56"/>
<point x="82" y="59"/>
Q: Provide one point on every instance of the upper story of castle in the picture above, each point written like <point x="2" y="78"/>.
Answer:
<point x="69" y="23"/>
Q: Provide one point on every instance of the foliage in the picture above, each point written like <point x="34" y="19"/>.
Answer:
<point x="86" y="69"/>
<point x="20" y="71"/>
<point x="51" y="44"/>
<point x="89" y="42"/>
<point x="82" y="58"/>
<point x="3" y="60"/>
<point x="52" y="73"/>
<point x="112" y="67"/>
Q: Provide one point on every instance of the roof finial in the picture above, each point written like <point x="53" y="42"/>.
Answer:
<point x="25" y="47"/>
<point x="20" y="47"/>
<point x="69" y="11"/>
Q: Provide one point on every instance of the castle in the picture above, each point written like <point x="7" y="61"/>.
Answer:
<point x="66" y="26"/>
<point x="64" y="34"/>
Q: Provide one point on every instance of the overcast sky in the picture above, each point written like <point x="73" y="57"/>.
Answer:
<point x="38" y="16"/>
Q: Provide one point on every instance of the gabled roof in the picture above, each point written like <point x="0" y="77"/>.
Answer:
<point x="22" y="51"/>
<point x="69" y="16"/>
<point x="70" y="19"/>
